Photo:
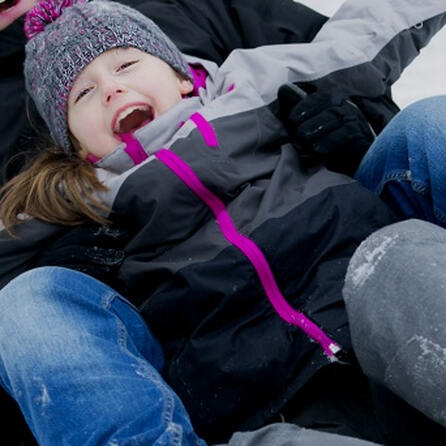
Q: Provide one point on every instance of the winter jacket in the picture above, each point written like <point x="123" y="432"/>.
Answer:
<point x="224" y="189"/>
<point x="234" y="253"/>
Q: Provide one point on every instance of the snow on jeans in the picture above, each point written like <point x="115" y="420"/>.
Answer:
<point x="83" y="366"/>
<point x="395" y="293"/>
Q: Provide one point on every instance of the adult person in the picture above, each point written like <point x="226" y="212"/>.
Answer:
<point x="398" y="272"/>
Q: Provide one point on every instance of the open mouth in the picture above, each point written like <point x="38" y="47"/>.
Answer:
<point x="6" y="4"/>
<point x="132" y="119"/>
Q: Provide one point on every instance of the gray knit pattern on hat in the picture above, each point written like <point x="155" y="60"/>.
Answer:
<point x="57" y="55"/>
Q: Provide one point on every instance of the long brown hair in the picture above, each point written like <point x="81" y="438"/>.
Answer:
<point x="55" y="188"/>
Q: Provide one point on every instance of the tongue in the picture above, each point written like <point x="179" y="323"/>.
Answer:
<point x="134" y="120"/>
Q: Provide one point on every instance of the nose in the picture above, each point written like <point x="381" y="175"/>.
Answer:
<point x="111" y="89"/>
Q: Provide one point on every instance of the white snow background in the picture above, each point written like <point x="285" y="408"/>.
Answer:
<point x="425" y="76"/>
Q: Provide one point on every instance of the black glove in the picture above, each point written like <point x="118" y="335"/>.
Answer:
<point x="326" y="128"/>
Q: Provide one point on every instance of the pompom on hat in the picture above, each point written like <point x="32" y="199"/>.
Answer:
<point x="66" y="35"/>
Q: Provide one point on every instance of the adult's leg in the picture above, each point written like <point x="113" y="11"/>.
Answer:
<point x="395" y="294"/>
<point x="285" y="434"/>
<point x="406" y="163"/>
<point x="83" y="366"/>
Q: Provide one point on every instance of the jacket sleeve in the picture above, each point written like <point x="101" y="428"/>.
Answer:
<point x="18" y="253"/>
<point x="89" y="248"/>
<point x="361" y="51"/>
<point x="212" y="29"/>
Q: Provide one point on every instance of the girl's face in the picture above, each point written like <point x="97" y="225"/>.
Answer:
<point x="119" y="92"/>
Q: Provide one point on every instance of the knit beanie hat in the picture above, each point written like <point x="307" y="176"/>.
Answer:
<point x="66" y="35"/>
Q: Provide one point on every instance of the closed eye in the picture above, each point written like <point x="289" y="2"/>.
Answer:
<point x="82" y="94"/>
<point x="127" y="64"/>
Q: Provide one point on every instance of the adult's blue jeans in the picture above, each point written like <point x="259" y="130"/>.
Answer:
<point x="83" y="366"/>
<point x="84" y="369"/>
<point x="406" y="165"/>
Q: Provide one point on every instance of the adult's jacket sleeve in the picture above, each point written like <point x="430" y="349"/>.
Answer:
<point x="361" y="51"/>
<point x="211" y="29"/>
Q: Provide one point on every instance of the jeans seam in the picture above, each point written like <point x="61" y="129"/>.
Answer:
<point x="111" y="295"/>
<point x="122" y="335"/>
<point x="439" y="214"/>
<point x="420" y="188"/>
<point x="417" y="186"/>
<point x="388" y="177"/>
<point x="107" y="299"/>
<point x="168" y="400"/>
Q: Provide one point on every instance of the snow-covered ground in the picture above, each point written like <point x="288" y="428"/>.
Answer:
<point x="426" y="75"/>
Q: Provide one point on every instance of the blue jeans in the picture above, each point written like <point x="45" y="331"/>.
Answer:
<point x="406" y="165"/>
<point x="84" y="369"/>
<point x="83" y="366"/>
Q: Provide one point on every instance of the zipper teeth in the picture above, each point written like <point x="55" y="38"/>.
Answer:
<point x="249" y="248"/>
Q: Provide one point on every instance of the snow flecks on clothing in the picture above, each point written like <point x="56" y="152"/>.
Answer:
<point x="141" y="373"/>
<point x="436" y="353"/>
<point x="363" y="266"/>
<point x="145" y="371"/>
<point x="108" y="231"/>
<point x="432" y="358"/>
<point x="103" y="256"/>
<point x="422" y="384"/>
<point x="43" y="399"/>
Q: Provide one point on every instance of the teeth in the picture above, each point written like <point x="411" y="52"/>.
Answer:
<point x="127" y="112"/>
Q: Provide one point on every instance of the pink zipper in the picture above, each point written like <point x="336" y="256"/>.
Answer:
<point x="133" y="148"/>
<point x="205" y="128"/>
<point x="250" y="249"/>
